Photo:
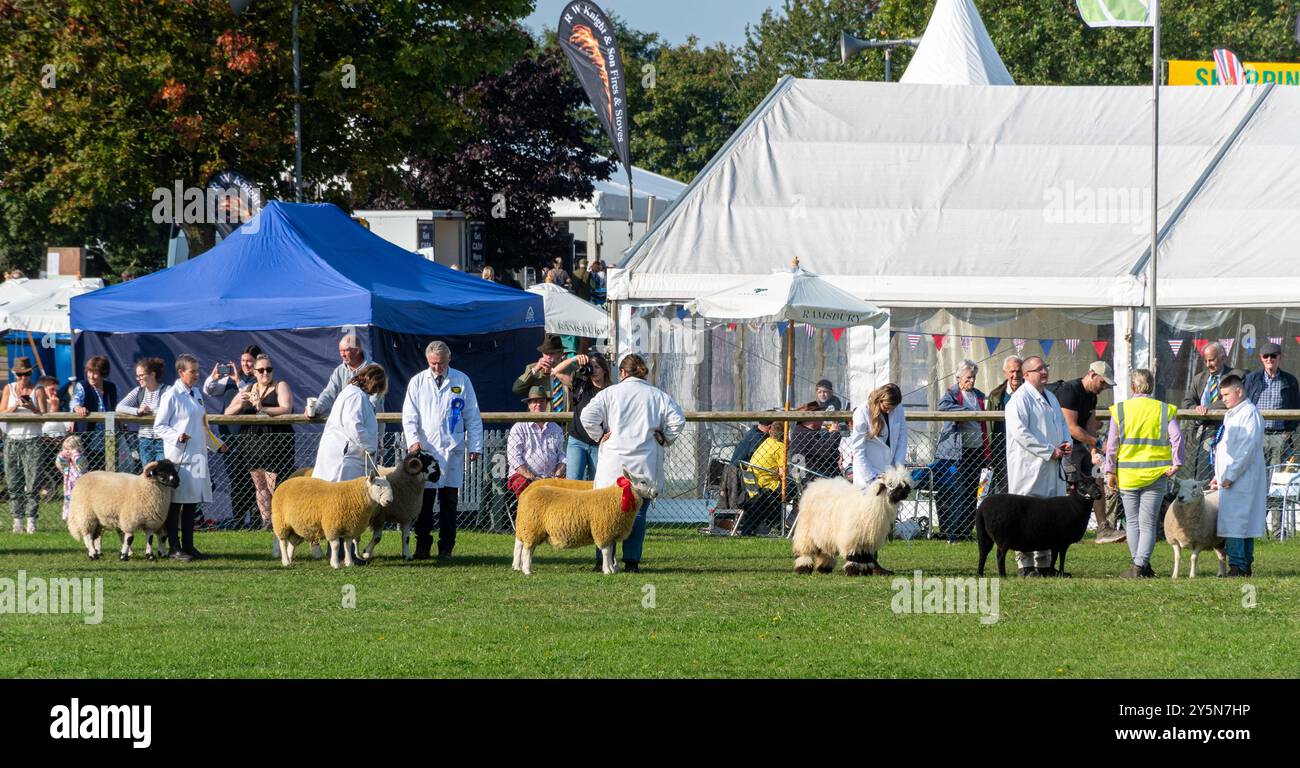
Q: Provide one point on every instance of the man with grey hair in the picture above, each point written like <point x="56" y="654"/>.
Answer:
<point x="1203" y="395"/>
<point x="354" y="359"/>
<point x="1037" y="441"/>
<point x="997" y="401"/>
<point x="441" y="416"/>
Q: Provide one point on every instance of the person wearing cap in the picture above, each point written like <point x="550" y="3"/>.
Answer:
<point x="534" y="449"/>
<point x="826" y="397"/>
<point x="1143" y="450"/>
<point x="1273" y="389"/>
<point x="1202" y="396"/>
<point x="22" y="446"/>
<point x="1078" y="398"/>
<point x="542" y="374"/>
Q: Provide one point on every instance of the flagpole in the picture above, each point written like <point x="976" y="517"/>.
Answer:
<point x="1155" y="181"/>
<point x="631" y="201"/>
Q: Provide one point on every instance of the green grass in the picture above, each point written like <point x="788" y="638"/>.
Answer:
<point x="722" y="608"/>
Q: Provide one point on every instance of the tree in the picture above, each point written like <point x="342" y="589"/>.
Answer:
<point x="145" y="95"/>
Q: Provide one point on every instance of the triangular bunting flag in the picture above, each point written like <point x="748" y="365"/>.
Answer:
<point x="992" y="343"/>
<point x="1046" y="344"/>
<point x="755" y="325"/>
<point x="1227" y="345"/>
<point x="1072" y="345"/>
<point x="1175" y="346"/>
<point x="1276" y="340"/>
<point x="1297" y="339"/>
<point x="836" y="333"/>
<point x="731" y="327"/>
<point x="1019" y="344"/>
<point x="682" y="314"/>
<point x="913" y="339"/>
<point x="965" y="343"/>
<point x="1248" y="344"/>
<point x="1200" y="344"/>
<point x="938" y="340"/>
<point x="1100" y="346"/>
<point x="810" y="330"/>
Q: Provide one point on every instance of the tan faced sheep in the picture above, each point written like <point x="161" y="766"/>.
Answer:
<point x="1192" y="522"/>
<point x="407" y="481"/>
<point x="305" y="508"/>
<point x="124" y="502"/>
<point x="574" y="517"/>
<point x="837" y="519"/>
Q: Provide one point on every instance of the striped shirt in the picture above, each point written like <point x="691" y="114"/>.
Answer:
<point x="1270" y="399"/>
<point x="137" y="399"/>
<point x="538" y="446"/>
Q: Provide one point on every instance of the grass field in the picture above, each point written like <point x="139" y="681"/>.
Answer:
<point x="721" y="608"/>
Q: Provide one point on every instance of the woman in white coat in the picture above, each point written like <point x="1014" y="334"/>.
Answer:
<point x="182" y="424"/>
<point x="878" y="441"/>
<point x="1240" y="477"/>
<point x="1037" y="438"/>
<point x="635" y="420"/>
<point x="352" y="429"/>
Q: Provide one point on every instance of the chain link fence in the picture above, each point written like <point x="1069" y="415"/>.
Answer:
<point x="708" y="486"/>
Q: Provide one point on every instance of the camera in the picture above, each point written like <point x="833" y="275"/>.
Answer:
<point x="225" y="370"/>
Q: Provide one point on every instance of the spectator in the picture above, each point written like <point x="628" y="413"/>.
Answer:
<point x="635" y="421"/>
<point x="1078" y="399"/>
<point x="489" y="274"/>
<point x="597" y="272"/>
<point x="71" y="463"/>
<point x="1272" y="389"/>
<point x="584" y="377"/>
<point x="1240" y="477"/>
<point x="268" y="448"/>
<point x="814" y="448"/>
<point x="181" y="422"/>
<point x="997" y="401"/>
<point x="143" y="401"/>
<point x="95" y="395"/>
<point x="763" y="507"/>
<point x="1143" y="449"/>
<point x="534" y="450"/>
<point x="750" y="441"/>
<point x="22" y="446"/>
<point x="827" y="400"/>
<point x="542" y="374"/>
<point x="222" y="385"/>
<point x="557" y="274"/>
<point x="1037" y="440"/>
<point x="963" y="449"/>
<point x="581" y="283"/>
<point x="52" y="432"/>
<point x="440" y="415"/>
<point x="1204" y="396"/>
<point x="354" y="358"/>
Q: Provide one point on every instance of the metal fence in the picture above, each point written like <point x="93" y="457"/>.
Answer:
<point x="704" y="489"/>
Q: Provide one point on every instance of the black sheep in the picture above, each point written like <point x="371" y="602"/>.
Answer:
<point x="1028" y="524"/>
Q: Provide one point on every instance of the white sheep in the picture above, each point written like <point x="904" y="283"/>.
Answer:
<point x="407" y="481"/>
<point x="574" y="517"/>
<point x="124" y="502"/>
<point x="1192" y="521"/>
<point x="837" y="519"/>
<point x="305" y="508"/>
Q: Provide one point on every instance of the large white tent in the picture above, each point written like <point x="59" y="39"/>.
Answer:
<point x="956" y="50"/>
<point x="41" y="306"/>
<point x="608" y="201"/>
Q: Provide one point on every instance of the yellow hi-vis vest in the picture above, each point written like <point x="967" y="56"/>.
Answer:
<point x="1144" y="452"/>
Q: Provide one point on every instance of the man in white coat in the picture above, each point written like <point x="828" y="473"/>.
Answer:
<point x="1037" y="438"/>
<point x="441" y="416"/>
<point x="1240" y="476"/>
<point x="636" y="420"/>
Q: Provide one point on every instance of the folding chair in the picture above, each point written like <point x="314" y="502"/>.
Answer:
<point x="1284" y="498"/>
<point x="721" y="519"/>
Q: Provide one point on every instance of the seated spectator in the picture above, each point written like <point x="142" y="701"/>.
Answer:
<point x="827" y="400"/>
<point x="534" y="450"/>
<point x="750" y="441"/>
<point x="813" y="447"/>
<point x="763" y="507"/>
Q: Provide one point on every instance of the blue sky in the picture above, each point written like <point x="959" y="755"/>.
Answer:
<point x="712" y="21"/>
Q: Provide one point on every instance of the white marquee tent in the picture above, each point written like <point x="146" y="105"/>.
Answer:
<point x="956" y="50"/>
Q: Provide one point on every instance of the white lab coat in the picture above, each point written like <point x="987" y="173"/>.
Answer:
<point x="181" y="412"/>
<point x="630" y="412"/>
<point x="350" y="431"/>
<point x="1239" y="458"/>
<point x="872" y="456"/>
<point x="1035" y="427"/>
<point x="426" y="419"/>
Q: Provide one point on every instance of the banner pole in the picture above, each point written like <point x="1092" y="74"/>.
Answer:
<point x="631" y="204"/>
<point x="1153" y="331"/>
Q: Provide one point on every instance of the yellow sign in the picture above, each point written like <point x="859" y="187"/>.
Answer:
<point x="1204" y="73"/>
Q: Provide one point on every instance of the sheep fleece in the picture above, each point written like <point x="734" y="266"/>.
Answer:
<point x="839" y="519"/>
<point x="118" y="501"/>
<point x="316" y="510"/>
<point x="569" y="517"/>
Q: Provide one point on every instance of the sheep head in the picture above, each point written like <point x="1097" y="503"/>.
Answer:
<point x="1187" y="491"/>
<point x="1089" y="490"/>
<point x="897" y="481"/>
<point x="422" y="462"/>
<point x="642" y="487"/>
<point x="379" y="490"/>
<point x="163" y="473"/>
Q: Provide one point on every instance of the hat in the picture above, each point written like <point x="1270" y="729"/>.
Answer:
<point x="552" y="346"/>
<point x="1102" y="369"/>
<point x="22" y="365"/>
<point x="1269" y="348"/>
<point x="536" y="393"/>
<point x="825" y="384"/>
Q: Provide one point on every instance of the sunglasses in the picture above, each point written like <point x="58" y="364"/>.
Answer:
<point x="22" y="373"/>
<point x="263" y="370"/>
<point x="1269" y="357"/>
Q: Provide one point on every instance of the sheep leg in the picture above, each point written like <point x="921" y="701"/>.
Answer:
<point x="1223" y="560"/>
<point x="148" y="547"/>
<point x="526" y="561"/>
<point x="89" y="541"/>
<point x="1191" y="570"/>
<point x="1002" y="561"/>
<point x="348" y="546"/>
<point x="376" y="533"/>
<point x="334" y="552"/>
<point x="803" y="564"/>
<point x="127" y="538"/>
<point x="1178" y="557"/>
<point x="610" y="565"/>
<point x="99" y="541"/>
<point x="514" y="565"/>
<point x="824" y="562"/>
<point x="986" y="545"/>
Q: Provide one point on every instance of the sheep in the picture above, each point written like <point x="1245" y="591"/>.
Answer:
<point x="306" y="508"/>
<point x="573" y="517"/>
<point x="407" y="481"/>
<point x="1030" y="523"/>
<point x="1192" y="521"/>
<point x="126" y="502"/>
<point x="836" y="519"/>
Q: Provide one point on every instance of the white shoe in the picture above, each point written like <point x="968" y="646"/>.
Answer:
<point x="31" y="525"/>
<point x="18" y="525"/>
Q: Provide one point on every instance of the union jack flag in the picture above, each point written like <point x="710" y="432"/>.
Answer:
<point x="1229" y="67"/>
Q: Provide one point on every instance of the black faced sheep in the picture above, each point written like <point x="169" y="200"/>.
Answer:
<point x="837" y="519"/>
<point x="1029" y="524"/>
<point x="125" y="502"/>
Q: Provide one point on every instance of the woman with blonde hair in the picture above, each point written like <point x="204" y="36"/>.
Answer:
<point x="878" y="441"/>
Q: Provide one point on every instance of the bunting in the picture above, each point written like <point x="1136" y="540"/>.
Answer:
<point x="836" y="333"/>
<point x="965" y="343"/>
<point x="992" y="343"/>
<point x="1227" y="345"/>
<point x="1200" y="345"/>
<point x="1072" y="345"/>
<point x="1175" y="346"/>
<point x="1019" y="344"/>
<point x="1276" y="340"/>
<point x="939" y="338"/>
<point x="913" y="339"/>
<point x="1046" y="344"/>
<point x="1100" y="346"/>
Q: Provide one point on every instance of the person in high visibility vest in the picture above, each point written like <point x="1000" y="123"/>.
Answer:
<point x="1143" y="450"/>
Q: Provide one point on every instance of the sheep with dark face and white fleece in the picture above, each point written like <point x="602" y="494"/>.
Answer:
<point x="1193" y="521"/>
<point x="124" y="502"/>
<point x="838" y="520"/>
<point x="407" y="480"/>
<point x="1030" y="524"/>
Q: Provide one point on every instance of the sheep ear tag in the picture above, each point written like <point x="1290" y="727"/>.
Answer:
<point x="627" y="493"/>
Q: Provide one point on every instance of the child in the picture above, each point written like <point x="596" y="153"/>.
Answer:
<point x="71" y="461"/>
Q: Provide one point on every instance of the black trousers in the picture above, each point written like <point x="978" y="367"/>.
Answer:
<point x="180" y="527"/>
<point x="446" y="499"/>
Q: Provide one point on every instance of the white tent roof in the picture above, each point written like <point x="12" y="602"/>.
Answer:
<point x="922" y="195"/>
<point x="567" y="314"/>
<point x="41" y="306"/>
<point x="609" y="201"/>
<point x="956" y="50"/>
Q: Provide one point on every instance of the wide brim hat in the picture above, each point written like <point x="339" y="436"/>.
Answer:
<point x="536" y="393"/>
<point x="552" y="346"/>
<point x="22" y="365"/>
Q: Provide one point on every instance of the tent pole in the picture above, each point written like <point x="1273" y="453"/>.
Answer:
<point x="1155" y="181"/>
<point x="35" y="354"/>
<point x="789" y="376"/>
<point x="631" y="204"/>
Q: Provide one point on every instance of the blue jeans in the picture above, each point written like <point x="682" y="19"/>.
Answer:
<point x="151" y="449"/>
<point x="1241" y="552"/>
<point x="1141" y="510"/>
<point x="580" y="460"/>
<point x="632" y="544"/>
